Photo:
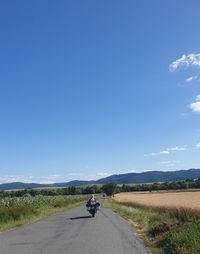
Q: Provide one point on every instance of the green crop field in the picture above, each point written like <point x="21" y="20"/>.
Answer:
<point x="16" y="211"/>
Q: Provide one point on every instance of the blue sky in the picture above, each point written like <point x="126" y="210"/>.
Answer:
<point x="92" y="88"/>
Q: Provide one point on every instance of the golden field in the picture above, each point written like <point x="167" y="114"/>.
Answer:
<point x="163" y="199"/>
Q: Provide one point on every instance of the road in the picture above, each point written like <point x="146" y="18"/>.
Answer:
<point x="73" y="232"/>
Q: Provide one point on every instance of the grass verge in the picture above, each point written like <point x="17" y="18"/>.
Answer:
<point x="162" y="231"/>
<point x="18" y="215"/>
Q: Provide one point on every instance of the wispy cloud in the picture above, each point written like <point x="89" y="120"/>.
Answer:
<point x="95" y="176"/>
<point x="15" y="178"/>
<point x="190" y="79"/>
<point x="168" y="151"/>
<point x="83" y="176"/>
<point x="75" y="174"/>
<point x="49" y="179"/>
<point x="160" y="153"/>
<point x="29" y="179"/>
<point x="168" y="163"/>
<point x="198" y="146"/>
<point x="195" y="106"/>
<point x="176" y="148"/>
<point x="185" y="61"/>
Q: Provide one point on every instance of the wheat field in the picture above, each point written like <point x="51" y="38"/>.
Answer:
<point x="181" y="199"/>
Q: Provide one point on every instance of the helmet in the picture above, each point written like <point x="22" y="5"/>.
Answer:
<point x="92" y="197"/>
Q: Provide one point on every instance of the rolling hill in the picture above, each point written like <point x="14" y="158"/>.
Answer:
<point x="144" y="177"/>
<point x="152" y="176"/>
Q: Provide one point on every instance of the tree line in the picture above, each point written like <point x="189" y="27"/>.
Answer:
<point x="109" y="189"/>
<point x="178" y="185"/>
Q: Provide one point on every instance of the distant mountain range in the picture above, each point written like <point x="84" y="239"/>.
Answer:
<point x="145" y="177"/>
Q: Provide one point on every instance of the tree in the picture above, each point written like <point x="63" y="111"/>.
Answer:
<point x="109" y="188"/>
<point x="72" y="190"/>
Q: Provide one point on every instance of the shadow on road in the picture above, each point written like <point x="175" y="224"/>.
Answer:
<point x="79" y="218"/>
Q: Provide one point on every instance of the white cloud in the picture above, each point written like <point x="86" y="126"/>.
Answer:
<point x="160" y="153"/>
<point x="168" y="163"/>
<point x="95" y="176"/>
<point x="85" y="176"/>
<point x="169" y="151"/>
<point x="102" y="174"/>
<point x="190" y="79"/>
<point x="51" y="177"/>
<point x="176" y="148"/>
<point x="198" y="146"/>
<point x="47" y="179"/>
<point x="185" y="61"/>
<point x="29" y="179"/>
<point x="14" y="178"/>
<point x="195" y="106"/>
<point x="75" y="174"/>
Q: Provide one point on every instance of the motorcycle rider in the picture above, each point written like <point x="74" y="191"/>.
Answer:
<point x="92" y="205"/>
<point x="91" y="200"/>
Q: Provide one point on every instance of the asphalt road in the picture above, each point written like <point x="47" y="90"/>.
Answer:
<point x="73" y="232"/>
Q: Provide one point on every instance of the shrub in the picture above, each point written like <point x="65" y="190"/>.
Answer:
<point x="183" y="241"/>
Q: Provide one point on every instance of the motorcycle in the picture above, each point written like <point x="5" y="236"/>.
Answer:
<point x="93" y="207"/>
